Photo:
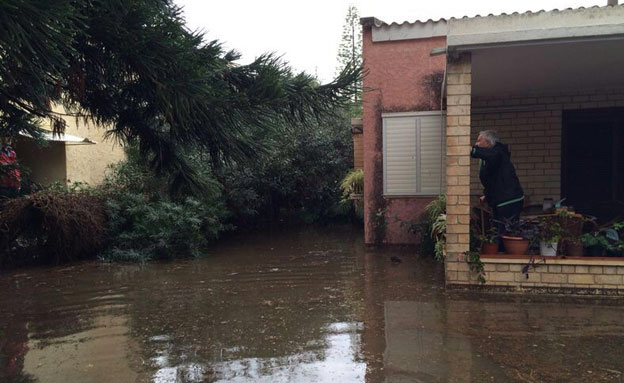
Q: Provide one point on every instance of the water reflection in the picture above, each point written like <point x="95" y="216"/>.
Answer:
<point x="301" y="306"/>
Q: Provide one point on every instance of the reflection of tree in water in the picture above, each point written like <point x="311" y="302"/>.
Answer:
<point x="44" y="307"/>
<point x="13" y="348"/>
<point x="273" y="311"/>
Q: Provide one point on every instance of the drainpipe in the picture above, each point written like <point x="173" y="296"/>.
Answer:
<point x="435" y="52"/>
<point x="612" y="2"/>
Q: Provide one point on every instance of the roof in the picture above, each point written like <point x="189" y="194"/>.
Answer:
<point x="66" y="138"/>
<point x="563" y="20"/>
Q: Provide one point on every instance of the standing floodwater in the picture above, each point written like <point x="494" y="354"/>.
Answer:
<point x="311" y="305"/>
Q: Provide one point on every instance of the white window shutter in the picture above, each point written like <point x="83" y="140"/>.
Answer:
<point x="432" y="154"/>
<point x="400" y="161"/>
<point x="414" y="148"/>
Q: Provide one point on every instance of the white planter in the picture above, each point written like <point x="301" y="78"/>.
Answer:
<point x="548" y="249"/>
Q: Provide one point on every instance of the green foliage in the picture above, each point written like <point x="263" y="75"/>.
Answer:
<point x="438" y="233"/>
<point x="431" y="241"/>
<point x="436" y="207"/>
<point x="350" y="53"/>
<point x="134" y="67"/>
<point x="144" y="230"/>
<point x="594" y="239"/>
<point x="550" y="231"/>
<point x="296" y="180"/>
<point x="476" y="265"/>
<point x="146" y="223"/>
<point x="490" y="236"/>
<point x="352" y="183"/>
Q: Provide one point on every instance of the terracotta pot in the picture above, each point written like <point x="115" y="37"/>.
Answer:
<point x="489" y="248"/>
<point x="515" y="245"/>
<point x="574" y="249"/>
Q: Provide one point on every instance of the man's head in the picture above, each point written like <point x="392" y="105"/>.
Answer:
<point x="487" y="139"/>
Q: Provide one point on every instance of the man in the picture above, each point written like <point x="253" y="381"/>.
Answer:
<point x="501" y="187"/>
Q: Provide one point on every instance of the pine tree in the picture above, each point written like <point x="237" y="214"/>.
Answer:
<point x="350" y="53"/>
<point x="133" y="67"/>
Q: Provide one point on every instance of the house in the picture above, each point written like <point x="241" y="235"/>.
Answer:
<point x="82" y="154"/>
<point x="552" y="85"/>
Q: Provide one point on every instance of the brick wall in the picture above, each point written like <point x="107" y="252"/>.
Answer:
<point x="399" y="79"/>
<point x="533" y="133"/>
<point x="458" y="160"/>
<point x="589" y="276"/>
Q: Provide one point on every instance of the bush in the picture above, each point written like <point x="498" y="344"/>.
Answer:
<point x="143" y="230"/>
<point x="146" y="223"/>
<point x="297" y="179"/>
<point x="52" y="226"/>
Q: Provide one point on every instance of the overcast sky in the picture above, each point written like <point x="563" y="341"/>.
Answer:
<point x="307" y="33"/>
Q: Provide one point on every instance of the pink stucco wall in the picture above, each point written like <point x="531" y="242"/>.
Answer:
<point x="397" y="80"/>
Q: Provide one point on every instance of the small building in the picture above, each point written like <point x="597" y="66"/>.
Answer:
<point x="82" y="154"/>
<point x="552" y="85"/>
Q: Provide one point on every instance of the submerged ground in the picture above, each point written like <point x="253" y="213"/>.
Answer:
<point x="309" y="305"/>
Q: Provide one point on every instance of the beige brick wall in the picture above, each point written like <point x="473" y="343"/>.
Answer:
<point x="531" y="126"/>
<point x="595" y="276"/>
<point x="457" y="163"/>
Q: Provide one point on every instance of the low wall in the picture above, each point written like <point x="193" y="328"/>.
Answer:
<point x="583" y="275"/>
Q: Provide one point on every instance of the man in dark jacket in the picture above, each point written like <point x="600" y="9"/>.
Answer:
<point x="501" y="187"/>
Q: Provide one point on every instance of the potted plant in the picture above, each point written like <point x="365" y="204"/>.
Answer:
<point x="574" y="247"/>
<point x="572" y="225"/>
<point x="595" y="244"/>
<point x="616" y="250"/>
<point x="518" y="235"/>
<point x="489" y="241"/>
<point x="551" y="232"/>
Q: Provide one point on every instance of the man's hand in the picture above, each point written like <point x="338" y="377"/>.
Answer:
<point x="482" y="199"/>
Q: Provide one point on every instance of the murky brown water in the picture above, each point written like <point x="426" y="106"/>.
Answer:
<point x="311" y="305"/>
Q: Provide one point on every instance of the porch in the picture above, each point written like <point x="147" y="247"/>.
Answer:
<point x="558" y="102"/>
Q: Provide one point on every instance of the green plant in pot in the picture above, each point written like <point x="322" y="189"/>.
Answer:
<point x="595" y="244"/>
<point x="518" y="235"/>
<point x="615" y="236"/>
<point x="551" y="232"/>
<point x="489" y="241"/>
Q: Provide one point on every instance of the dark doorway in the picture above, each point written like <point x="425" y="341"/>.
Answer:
<point x="592" y="177"/>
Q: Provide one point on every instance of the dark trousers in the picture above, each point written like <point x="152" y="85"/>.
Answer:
<point x="507" y="212"/>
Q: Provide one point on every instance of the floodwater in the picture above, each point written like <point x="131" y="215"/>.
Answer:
<point x="308" y="305"/>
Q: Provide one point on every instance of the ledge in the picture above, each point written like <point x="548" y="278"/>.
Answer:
<point x="559" y="260"/>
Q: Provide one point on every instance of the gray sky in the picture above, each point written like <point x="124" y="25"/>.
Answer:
<point x="307" y="33"/>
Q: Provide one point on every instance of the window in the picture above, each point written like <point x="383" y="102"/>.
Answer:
<point x="414" y="153"/>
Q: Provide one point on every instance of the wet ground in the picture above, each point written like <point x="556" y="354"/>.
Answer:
<point x="310" y="305"/>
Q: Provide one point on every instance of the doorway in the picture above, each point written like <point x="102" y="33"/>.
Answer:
<point x="592" y="178"/>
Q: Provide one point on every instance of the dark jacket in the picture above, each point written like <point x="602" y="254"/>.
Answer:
<point x="497" y="174"/>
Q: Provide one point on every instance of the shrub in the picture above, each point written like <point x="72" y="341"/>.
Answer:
<point x="146" y="222"/>
<point x="352" y="183"/>
<point x="143" y="230"/>
<point x="431" y="227"/>
<point x="52" y="226"/>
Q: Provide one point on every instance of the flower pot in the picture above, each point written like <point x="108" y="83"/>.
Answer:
<point x="594" y="251"/>
<point x="489" y="248"/>
<point x="548" y="249"/>
<point x="573" y="249"/>
<point x="515" y="245"/>
<point x="615" y="253"/>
